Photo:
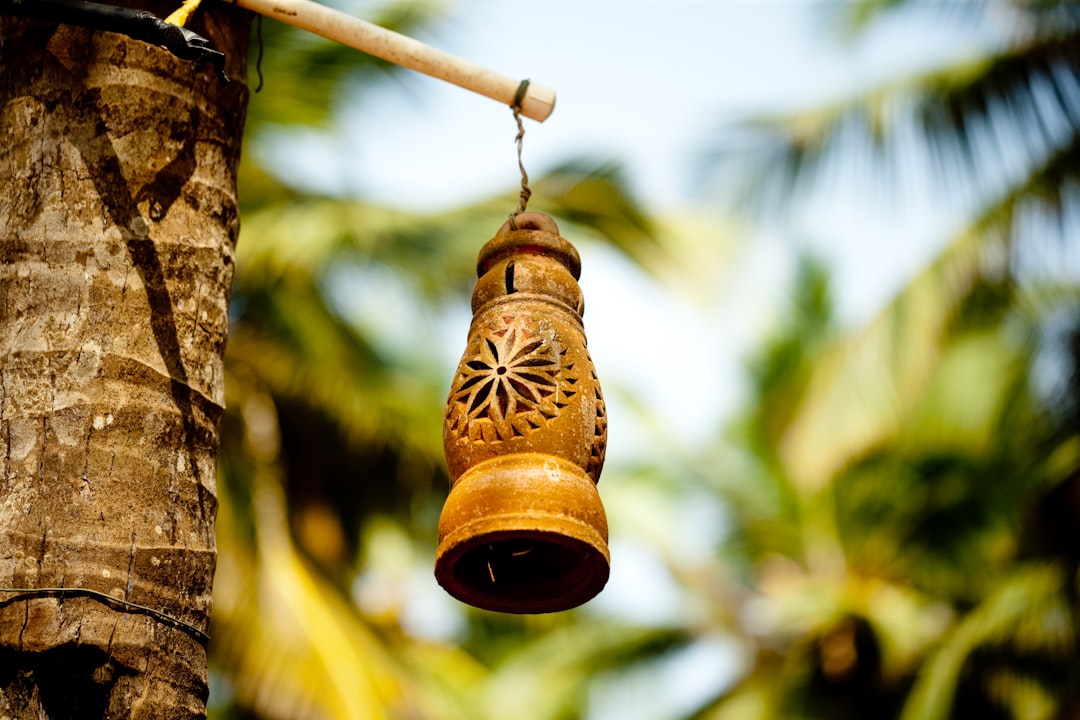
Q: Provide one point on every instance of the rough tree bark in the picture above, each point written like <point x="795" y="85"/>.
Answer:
<point x="118" y="217"/>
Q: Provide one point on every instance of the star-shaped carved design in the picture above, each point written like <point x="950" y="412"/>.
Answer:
<point x="508" y="386"/>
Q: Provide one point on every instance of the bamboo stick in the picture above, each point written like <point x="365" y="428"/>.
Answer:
<point x="538" y="100"/>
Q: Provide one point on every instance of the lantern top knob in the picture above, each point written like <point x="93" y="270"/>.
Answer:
<point x="535" y="234"/>
<point x="529" y="221"/>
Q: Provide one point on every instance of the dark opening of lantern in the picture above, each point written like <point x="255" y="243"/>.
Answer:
<point x="528" y="572"/>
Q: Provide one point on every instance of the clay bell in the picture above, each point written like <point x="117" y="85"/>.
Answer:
<point x="523" y="529"/>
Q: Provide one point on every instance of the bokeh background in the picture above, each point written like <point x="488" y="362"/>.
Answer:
<point x="831" y="269"/>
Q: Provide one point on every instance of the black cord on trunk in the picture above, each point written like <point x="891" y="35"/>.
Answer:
<point x="138" y="24"/>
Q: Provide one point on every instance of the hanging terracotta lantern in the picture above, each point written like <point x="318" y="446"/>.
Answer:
<point x="523" y="529"/>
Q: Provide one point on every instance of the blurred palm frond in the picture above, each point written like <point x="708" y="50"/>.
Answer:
<point x="1029" y="614"/>
<point x="303" y="75"/>
<point x="978" y="129"/>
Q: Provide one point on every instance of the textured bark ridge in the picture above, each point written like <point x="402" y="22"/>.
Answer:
<point x="118" y="217"/>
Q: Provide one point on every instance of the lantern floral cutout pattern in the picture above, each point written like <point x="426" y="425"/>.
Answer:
<point x="512" y="382"/>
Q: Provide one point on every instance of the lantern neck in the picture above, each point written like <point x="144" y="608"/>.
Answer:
<point x="532" y="261"/>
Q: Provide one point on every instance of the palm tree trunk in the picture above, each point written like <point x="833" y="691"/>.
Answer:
<point x="118" y="217"/>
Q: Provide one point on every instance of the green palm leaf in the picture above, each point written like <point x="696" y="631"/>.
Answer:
<point x="293" y="648"/>
<point x="1030" y="611"/>
<point x="439" y="250"/>
<point x="910" y="454"/>
<point x="965" y="127"/>
<point x="304" y="75"/>
<point x="548" y="677"/>
<point x="290" y="643"/>
<point x="859" y="392"/>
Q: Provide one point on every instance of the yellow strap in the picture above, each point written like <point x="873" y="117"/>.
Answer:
<point x="182" y="13"/>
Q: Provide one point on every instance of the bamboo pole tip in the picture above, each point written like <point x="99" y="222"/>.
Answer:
<point x="538" y="102"/>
